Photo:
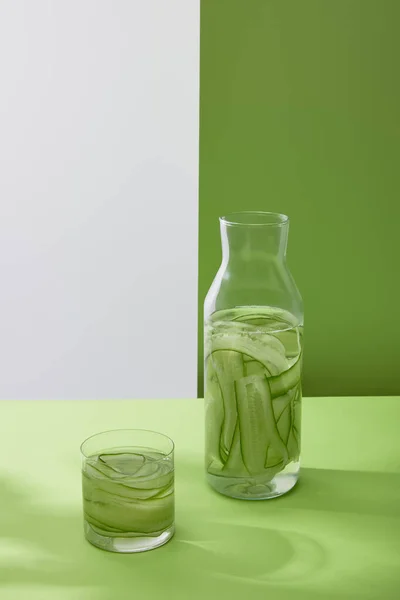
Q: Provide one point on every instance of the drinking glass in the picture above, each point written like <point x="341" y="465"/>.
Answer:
<point x="128" y="489"/>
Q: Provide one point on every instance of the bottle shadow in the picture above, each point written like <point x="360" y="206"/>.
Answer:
<point x="332" y="522"/>
<point x="221" y="546"/>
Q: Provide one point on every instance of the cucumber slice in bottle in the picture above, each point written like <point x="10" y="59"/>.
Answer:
<point x="274" y="461"/>
<point x="255" y="353"/>
<point x="292" y="446"/>
<point x="259" y="320"/>
<point x="291" y="341"/>
<point x="253" y="367"/>
<point x="297" y="414"/>
<point x="281" y="384"/>
<point x="269" y="351"/>
<point x="229" y="367"/>
<point x="258" y="429"/>
<point x="247" y="359"/>
<point x="235" y="464"/>
<point x="284" y="423"/>
<point x="280" y="403"/>
<point x="216" y="452"/>
<point x="269" y="314"/>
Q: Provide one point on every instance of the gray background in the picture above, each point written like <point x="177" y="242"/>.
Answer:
<point x="98" y="198"/>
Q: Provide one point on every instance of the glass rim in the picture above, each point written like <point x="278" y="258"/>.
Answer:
<point x="166" y="437"/>
<point x="270" y="219"/>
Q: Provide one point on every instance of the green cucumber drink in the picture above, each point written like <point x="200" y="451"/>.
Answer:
<point x="128" y="498"/>
<point x="253" y="400"/>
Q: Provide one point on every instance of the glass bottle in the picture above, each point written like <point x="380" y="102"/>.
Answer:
<point x="253" y="315"/>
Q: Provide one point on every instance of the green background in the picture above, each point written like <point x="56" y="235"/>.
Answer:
<point x="299" y="114"/>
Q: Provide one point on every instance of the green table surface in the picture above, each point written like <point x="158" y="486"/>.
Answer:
<point x="336" y="535"/>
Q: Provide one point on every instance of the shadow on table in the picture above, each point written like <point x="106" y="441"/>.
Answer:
<point x="221" y="547"/>
<point x="339" y="491"/>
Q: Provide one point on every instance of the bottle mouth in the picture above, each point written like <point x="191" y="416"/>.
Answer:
<point x="254" y="218"/>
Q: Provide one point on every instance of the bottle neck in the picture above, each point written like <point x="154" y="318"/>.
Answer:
<point x="252" y="243"/>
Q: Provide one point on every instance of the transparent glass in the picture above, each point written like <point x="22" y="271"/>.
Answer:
<point x="253" y="316"/>
<point x="128" y="489"/>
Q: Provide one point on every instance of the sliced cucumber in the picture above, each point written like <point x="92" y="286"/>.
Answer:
<point x="268" y="351"/>
<point x="107" y="486"/>
<point x="253" y="422"/>
<point x="126" y="513"/>
<point x="229" y="367"/>
<point x="291" y="341"/>
<point x="253" y="367"/>
<point x="296" y="420"/>
<point x="130" y="486"/>
<point x="144" y="517"/>
<point x="247" y="359"/>
<point x="109" y="532"/>
<point x="284" y="423"/>
<point x="214" y="417"/>
<point x="281" y="384"/>
<point x="128" y="493"/>
<point x="126" y="463"/>
<point x="103" y="526"/>
<point x="274" y="461"/>
<point x="256" y="355"/>
<point x="214" y="466"/>
<point x="269" y="314"/>
<point x="280" y="403"/>
<point x="257" y="423"/>
<point x="235" y="464"/>
<point x="293" y="446"/>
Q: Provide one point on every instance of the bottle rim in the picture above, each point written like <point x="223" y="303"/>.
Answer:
<point x="254" y="218"/>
